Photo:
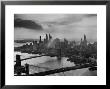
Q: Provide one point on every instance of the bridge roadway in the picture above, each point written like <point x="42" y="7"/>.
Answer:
<point x="62" y="70"/>
<point x="37" y="56"/>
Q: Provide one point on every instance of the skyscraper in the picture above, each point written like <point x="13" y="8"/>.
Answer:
<point x="40" y="40"/>
<point x="84" y="37"/>
<point x="83" y="42"/>
<point x="50" y="37"/>
<point x="46" y="37"/>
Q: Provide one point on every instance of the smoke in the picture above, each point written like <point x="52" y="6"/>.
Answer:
<point x="51" y="43"/>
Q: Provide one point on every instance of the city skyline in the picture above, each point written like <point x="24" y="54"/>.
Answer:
<point x="69" y="26"/>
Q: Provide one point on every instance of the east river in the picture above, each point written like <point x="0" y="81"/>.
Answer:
<point x="46" y="63"/>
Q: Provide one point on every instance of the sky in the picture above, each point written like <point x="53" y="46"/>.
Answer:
<point x="69" y="26"/>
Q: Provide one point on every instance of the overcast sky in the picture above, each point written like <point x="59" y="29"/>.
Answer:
<point x="69" y="26"/>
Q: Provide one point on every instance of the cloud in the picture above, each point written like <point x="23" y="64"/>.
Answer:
<point x="29" y="24"/>
<point x="64" y="19"/>
<point x="70" y="26"/>
<point x="24" y="33"/>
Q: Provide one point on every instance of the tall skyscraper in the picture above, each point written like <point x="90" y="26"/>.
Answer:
<point x="50" y="37"/>
<point x="84" y="37"/>
<point x="46" y="38"/>
<point x="40" y="39"/>
<point x="83" y="42"/>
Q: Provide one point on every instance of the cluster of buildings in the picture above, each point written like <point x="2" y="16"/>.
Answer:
<point x="42" y="43"/>
<point x="49" y="45"/>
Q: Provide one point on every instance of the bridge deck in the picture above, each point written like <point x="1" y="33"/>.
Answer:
<point x="60" y="70"/>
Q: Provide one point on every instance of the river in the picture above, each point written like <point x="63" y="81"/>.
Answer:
<point x="46" y="63"/>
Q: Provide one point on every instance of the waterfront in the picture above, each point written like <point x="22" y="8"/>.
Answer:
<point x="46" y="63"/>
